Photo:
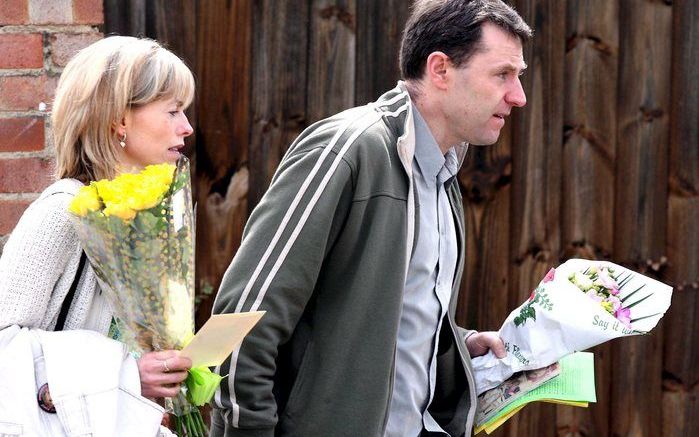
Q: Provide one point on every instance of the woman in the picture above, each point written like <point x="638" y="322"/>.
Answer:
<point x="118" y="107"/>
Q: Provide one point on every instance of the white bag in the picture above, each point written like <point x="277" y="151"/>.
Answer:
<point x="93" y="381"/>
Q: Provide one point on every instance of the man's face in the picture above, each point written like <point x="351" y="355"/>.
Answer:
<point x="483" y="91"/>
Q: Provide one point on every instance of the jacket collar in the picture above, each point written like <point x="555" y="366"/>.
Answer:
<point x="396" y="106"/>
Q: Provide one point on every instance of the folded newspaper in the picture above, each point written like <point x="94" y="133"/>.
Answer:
<point x="570" y="382"/>
<point x="578" y="305"/>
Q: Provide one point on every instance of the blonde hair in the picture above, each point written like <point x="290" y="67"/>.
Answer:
<point x="95" y="90"/>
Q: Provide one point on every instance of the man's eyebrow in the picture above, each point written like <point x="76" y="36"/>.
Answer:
<point x="512" y="67"/>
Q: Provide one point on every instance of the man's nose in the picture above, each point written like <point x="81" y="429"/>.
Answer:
<point x="516" y="96"/>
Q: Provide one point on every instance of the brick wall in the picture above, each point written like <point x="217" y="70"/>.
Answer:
<point x="37" y="38"/>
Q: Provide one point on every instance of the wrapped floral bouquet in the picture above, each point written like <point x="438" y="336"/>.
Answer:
<point x="138" y="232"/>
<point x="576" y="306"/>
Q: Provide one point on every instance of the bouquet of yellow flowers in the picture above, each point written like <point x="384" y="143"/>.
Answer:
<point x="138" y="232"/>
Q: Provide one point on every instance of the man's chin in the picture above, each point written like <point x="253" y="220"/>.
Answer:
<point x="484" y="141"/>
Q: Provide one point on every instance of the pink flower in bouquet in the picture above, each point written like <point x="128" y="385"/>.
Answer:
<point x="592" y="294"/>
<point x="606" y="281"/>
<point x="616" y="302"/>
<point x="624" y="316"/>
<point x="549" y="276"/>
<point x="532" y="296"/>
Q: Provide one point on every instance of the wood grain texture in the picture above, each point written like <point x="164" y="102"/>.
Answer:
<point x="681" y="347"/>
<point x="589" y="151"/>
<point x="279" y="80"/>
<point x="331" y="58"/>
<point x="379" y="30"/>
<point x="641" y="200"/>
<point x="125" y="17"/>
<point x="224" y="63"/>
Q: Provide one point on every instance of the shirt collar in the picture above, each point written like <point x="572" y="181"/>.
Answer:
<point x="427" y="152"/>
<point x="429" y="156"/>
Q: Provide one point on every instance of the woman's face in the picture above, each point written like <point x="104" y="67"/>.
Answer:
<point x="155" y="134"/>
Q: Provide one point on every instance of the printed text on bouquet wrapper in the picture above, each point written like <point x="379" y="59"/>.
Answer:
<point x="516" y="352"/>
<point x="604" y="325"/>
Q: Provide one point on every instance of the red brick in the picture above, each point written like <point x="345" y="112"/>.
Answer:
<point x="21" y="93"/>
<point x="21" y="50"/>
<point x="10" y="213"/>
<point x="14" y="12"/>
<point x="65" y="45"/>
<point x="25" y="175"/>
<point x="24" y="134"/>
<point x="88" y="12"/>
<point x="50" y="11"/>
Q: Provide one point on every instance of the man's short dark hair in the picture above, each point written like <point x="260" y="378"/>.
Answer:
<point x="453" y="27"/>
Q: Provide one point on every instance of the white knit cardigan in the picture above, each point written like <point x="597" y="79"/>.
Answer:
<point x="38" y="265"/>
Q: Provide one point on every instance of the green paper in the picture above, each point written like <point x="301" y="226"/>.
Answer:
<point x="201" y="385"/>
<point x="575" y="383"/>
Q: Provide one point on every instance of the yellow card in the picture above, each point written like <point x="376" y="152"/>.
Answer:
<point x="219" y="336"/>
<point x="490" y="427"/>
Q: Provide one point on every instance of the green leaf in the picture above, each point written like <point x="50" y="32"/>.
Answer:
<point x="632" y="293"/>
<point x="201" y="385"/>
<point x="644" y="317"/>
<point x="625" y="281"/>
<point x="638" y="301"/>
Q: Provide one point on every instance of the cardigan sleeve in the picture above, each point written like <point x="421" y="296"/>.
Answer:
<point x="39" y="254"/>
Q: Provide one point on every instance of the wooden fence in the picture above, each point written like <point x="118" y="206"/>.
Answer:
<point x="602" y="163"/>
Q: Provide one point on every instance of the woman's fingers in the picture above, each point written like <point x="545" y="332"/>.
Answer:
<point x="162" y="372"/>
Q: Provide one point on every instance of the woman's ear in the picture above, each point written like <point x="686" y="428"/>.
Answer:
<point x="120" y="127"/>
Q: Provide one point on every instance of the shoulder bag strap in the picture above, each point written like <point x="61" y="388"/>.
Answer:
<point x="68" y="301"/>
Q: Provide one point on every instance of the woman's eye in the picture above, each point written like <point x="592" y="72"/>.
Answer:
<point x="173" y="113"/>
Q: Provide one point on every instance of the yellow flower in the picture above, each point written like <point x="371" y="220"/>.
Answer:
<point x="86" y="200"/>
<point x="119" y="210"/>
<point x="128" y="193"/>
<point x="607" y="306"/>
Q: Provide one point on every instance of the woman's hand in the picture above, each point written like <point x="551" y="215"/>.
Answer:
<point x="162" y="372"/>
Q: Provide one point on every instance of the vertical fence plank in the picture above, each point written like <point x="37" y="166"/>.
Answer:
<point x="536" y="173"/>
<point x="224" y="30"/>
<point x="125" y="17"/>
<point x="486" y="186"/>
<point x="331" y="58"/>
<point x="681" y="345"/>
<point x="641" y="200"/>
<point x="379" y="30"/>
<point x="279" y="78"/>
<point x="589" y="151"/>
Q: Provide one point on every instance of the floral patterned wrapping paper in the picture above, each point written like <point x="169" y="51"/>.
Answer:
<point x="578" y="305"/>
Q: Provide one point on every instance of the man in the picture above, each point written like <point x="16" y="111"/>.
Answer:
<point x="356" y="250"/>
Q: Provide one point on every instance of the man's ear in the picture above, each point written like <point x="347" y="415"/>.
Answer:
<point x="436" y="69"/>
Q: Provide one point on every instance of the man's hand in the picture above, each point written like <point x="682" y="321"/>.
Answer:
<point x="481" y="342"/>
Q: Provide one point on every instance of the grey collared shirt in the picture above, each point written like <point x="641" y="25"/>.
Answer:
<point x="427" y="289"/>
